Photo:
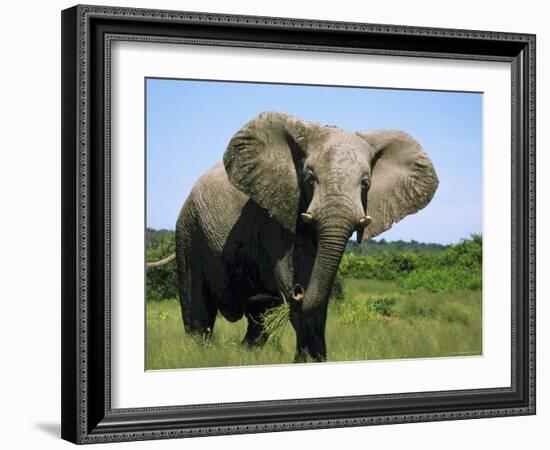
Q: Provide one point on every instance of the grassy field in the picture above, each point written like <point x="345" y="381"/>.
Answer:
<point x="375" y="321"/>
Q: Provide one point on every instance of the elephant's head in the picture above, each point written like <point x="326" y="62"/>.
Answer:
<point x="330" y="180"/>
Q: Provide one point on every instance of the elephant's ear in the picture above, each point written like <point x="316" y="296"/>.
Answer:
<point x="403" y="179"/>
<point x="261" y="160"/>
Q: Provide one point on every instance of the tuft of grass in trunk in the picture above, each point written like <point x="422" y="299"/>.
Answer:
<point x="275" y="321"/>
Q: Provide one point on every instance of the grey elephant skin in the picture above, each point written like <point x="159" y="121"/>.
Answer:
<point x="270" y="224"/>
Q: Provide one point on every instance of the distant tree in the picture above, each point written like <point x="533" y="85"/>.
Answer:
<point x="414" y="264"/>
<point x="373" y="247"/>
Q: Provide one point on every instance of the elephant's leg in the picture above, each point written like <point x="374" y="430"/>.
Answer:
<point x="310" y="336"/>
<point x="202" y="312"/>
<point x="197" y="308"/>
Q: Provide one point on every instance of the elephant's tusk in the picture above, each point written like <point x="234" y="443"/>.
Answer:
<point x="365" y="221"/>
<point x="298" y="293"/>
<point x="307" y="217"/>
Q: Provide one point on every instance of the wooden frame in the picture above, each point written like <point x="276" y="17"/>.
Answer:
<point x="87" y="416"/>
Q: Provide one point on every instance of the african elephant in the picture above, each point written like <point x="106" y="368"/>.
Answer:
<point x="270" y="224"/>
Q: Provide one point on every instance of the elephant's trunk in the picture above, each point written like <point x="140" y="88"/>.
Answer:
<point x="334" y="228"/>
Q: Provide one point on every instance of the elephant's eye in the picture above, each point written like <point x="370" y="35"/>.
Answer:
<point x="365" y="183"/>
<point x="309" y="178"/>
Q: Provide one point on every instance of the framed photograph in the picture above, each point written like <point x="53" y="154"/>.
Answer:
<point x="280" y="224"/>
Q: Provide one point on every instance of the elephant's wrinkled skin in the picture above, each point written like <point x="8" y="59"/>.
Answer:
<point x="270" y="224"/>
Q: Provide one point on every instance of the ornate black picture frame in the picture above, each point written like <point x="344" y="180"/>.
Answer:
<point x="87" y="34"/>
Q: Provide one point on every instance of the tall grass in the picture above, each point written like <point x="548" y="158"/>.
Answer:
<point x="168" y="347"/>
<point x="374" y="321"/>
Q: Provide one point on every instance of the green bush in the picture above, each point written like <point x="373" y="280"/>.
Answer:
<point x="355" y="310"/>
<point x="456" y="268"/>
<point x="159" y="244"/>
<point x="162" y="281"/>
<point x="385" y="266"/>
<point x="383" y="305"/>
<point x="466" y="254"/>
<point x="337" y="292"/>
<point x="372" y="247"/>
<point x="413" y="266"/>
<point x="446" y="279"/>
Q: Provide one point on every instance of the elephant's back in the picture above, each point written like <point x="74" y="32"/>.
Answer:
<point x="226" y="233"/>
<point x="216" y="205"/>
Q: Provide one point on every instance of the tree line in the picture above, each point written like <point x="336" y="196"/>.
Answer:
<point x="412" y="265"/>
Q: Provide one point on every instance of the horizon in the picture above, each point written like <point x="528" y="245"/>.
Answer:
<point x="376" y="239"/>
<point x="189" y="123"/>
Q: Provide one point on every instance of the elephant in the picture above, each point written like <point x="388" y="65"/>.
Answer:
<point x="269" y="224"/>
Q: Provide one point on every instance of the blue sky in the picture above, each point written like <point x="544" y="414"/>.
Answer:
<point x="189" y="124"/>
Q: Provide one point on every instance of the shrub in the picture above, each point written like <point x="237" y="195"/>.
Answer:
<point x="355" y="310"/>
<point x="414" y="309"/>
<point x="162" y="282"/>
<point x="414" y="266"/>
<point x="337" y="292"/>
<point x="446" y="279"/>
<point x="385" y="266"/>
<point x="159" y="244"/>
<point x="383" y="305"/>
<point x="459" y="267"/>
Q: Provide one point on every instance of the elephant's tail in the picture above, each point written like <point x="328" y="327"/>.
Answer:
<point x="162" y="262"/>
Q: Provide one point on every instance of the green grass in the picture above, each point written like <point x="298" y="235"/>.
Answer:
<point x="361" y="288"/>
<point x="168" y="347"/>
<point x="375" y="321"/>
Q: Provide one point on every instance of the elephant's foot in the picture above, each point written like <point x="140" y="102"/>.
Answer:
<point x="303" y="356"/>
<point x="310" y="336"/>
<point x="202" y="334"/>
<point x="300" y="357"/>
